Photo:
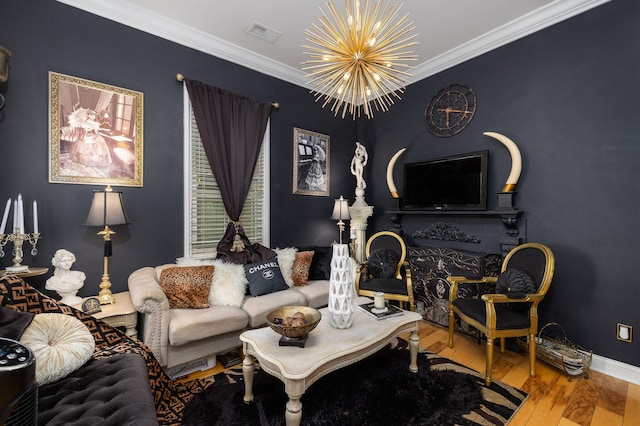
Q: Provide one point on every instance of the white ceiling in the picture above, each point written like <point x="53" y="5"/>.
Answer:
<point x="449" y="31"/>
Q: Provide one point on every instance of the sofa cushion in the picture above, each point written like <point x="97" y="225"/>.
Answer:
<point x="187" y="286"/>
<point x="264" y="277"/>
<point x="320" y="268"/>
<point x="229" y="284"/>
<point x="60" y="343"/>
<point x="257" y="308"/>
<point x="191" y="325"/>
<point x="107" y="391"/>
<point x="315" y="292"/>
<point x="13" y="323"/>
<point x="385" y="285"/>
<point x="300" y="270"/>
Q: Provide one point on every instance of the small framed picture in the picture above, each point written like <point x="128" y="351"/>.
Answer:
<point x="310" y="163"/>
<point x="95" y="133"/>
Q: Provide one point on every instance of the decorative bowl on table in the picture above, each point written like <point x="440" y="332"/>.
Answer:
<point x="293" y="323"/>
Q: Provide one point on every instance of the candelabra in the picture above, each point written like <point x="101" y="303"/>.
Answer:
<point x="18" y="239"/>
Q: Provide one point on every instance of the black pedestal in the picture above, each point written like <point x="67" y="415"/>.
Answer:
<point x="287" y="341"/>
<point x="506" y="200"/>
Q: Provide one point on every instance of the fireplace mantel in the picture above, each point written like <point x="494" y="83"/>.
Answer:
<point x="509" y="217"/>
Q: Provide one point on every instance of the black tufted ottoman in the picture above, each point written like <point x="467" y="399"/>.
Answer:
<point x="107" y="391"/>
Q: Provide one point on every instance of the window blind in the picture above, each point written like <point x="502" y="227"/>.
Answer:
<point x="207" y="217"/>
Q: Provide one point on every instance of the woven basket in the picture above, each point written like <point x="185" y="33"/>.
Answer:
<point x="561" y="353"/>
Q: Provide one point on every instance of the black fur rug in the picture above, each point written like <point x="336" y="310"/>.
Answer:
<point x="379" y="390"/>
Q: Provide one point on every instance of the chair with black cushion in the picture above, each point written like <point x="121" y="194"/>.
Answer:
<point x="512" y="311"/>
<point x="386" y="269"/>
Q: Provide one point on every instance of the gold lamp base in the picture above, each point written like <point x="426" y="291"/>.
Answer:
<point x="105" y="296"/>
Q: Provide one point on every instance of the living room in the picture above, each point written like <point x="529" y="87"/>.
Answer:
<point x="567" y="95"/>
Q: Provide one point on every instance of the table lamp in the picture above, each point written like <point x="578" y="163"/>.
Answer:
<point x="107" y="209"/>
<point x="340" y="213"/>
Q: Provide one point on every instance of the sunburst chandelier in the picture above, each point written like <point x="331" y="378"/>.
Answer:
<point x="358" y="60"/>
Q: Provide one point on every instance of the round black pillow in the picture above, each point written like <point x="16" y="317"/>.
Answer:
<point x="382" y="263"/>
<point x="515" y="283"/>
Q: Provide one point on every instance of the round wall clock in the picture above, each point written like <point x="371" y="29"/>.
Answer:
<point x="450" y="110"/>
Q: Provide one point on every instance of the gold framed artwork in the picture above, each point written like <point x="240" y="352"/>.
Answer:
<point x="310" y="163"/>
<point x="95" y="133"/>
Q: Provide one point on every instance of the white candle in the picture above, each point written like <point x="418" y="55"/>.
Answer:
<point x="15" y="216"/>
<point x="35" y="217"/>
<point x="5" y="216"/>
<point x="353" y="233"/>
<point x="378" y="300"/>
<point x="21" y="214"/>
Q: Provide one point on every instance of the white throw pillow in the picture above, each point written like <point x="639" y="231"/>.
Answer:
<point x="286" y="258"/>
<point x="189" y="261"/>
<point x="229" y="285"/>
<point x="61" y="344"/>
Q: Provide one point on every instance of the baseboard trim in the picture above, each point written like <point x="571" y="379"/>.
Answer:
<point x="619" y="370"/>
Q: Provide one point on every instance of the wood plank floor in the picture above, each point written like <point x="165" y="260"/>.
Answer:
<point x="553" y="399"/>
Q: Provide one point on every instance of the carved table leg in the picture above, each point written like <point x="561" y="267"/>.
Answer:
<point x="293" y="413"/>
<point x="248" y="369"/>
<point x="413" y="351"/>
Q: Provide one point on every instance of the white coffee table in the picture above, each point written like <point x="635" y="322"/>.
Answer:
<point x="327" y="349"/>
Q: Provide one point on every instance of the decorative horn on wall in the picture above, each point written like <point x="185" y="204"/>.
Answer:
<point x="392" y="163"/>
<point x="516" y="160"/>
<point x="4" y="69"/>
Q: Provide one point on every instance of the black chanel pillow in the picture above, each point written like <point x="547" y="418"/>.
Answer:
<point x="382" y="263"/>
<point x="264" y="277"/>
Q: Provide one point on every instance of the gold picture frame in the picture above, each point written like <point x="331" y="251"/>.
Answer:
<point x="95" y="133"/>
<point x="311" y="165"/>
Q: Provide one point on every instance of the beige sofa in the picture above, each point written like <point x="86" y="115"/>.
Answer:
<point x="181" y="336"/>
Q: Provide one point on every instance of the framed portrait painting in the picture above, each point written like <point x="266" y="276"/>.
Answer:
<point x="95" y="133"/>
<point x="310" y="163"/>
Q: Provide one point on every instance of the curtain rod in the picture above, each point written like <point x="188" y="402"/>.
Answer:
<point x="180" y="78"/>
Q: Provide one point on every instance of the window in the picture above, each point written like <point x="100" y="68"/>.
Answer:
<point x="205" y="217"/>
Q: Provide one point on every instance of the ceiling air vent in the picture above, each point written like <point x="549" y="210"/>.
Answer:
<point x="264" y="32"/>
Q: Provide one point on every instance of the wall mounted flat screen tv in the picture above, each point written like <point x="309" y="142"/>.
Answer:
<point x="450" y="183"/>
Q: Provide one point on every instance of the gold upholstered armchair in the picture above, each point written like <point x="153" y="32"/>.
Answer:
<point x="512" y="311"/>
<point x="386" y="269"/>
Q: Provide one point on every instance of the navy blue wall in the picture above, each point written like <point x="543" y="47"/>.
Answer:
<point x="44" y="36"/>
<point x="568" y="96"/>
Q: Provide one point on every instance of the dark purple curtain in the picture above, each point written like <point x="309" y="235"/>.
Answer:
<point x="231" y="128"/>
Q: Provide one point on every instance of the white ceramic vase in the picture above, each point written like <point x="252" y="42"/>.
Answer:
<point x="341" y="291"/>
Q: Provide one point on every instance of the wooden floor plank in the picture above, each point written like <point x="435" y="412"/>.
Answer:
<point x="552" y="403"/>
<point x="632" y="406"/>
<point x="606" y="417"/>
<point x="613" y="395"/>
<point x="582" y="402"/>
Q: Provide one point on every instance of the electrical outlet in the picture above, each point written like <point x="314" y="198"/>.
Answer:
<point x="624" y="333"/>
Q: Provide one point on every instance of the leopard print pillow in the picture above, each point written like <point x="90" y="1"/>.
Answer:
<point x="187" y="286"/>
<point x="301" y="268"/>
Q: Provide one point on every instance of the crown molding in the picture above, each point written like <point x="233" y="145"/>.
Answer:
<point x="537" y="20"/>
<point x="141" y="19"/>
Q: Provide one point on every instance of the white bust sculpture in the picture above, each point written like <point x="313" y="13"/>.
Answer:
<point x="65" y="281"/>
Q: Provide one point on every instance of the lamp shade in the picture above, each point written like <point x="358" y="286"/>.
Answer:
<point x="106" y="209"/>
<point x="341" y="209"/>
